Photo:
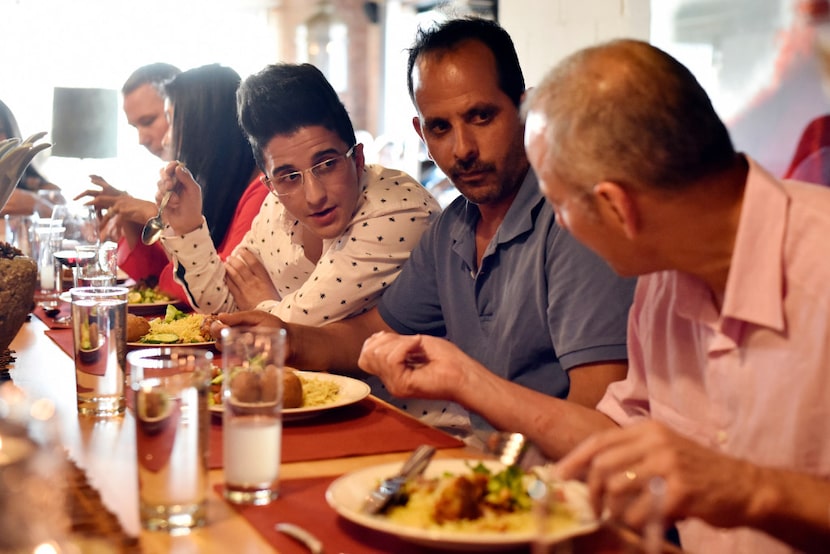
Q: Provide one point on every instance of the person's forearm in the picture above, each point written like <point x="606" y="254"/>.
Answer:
<point x="335" y="347"/>
<point x="553" y="424"/>
<point x="793" y="507"/>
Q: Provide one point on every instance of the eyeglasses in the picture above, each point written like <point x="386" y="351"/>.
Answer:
<point x="326" y="172"/>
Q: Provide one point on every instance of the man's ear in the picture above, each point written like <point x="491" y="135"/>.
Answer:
<point x="416" y="123"/>
<point x="618" y="203"/>
<point x="359" y="158"/>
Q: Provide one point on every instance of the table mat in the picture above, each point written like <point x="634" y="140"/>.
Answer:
<point x="303" y="502"/>
<point x="65" y="309"/>
<point x="63" y="338"/>
<point x="368" y="427"/>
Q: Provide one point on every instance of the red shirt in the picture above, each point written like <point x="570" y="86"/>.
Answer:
<point x="147" y="261"/>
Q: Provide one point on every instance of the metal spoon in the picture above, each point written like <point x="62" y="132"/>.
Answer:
<point x="154" y="226"/>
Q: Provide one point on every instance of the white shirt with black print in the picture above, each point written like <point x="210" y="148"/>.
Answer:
<point x="354" y="268"/>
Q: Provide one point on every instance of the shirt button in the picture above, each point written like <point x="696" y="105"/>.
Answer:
<point x="721" y="436"/>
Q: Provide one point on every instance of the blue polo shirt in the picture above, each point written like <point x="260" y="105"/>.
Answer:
<point x="540" y="304"/>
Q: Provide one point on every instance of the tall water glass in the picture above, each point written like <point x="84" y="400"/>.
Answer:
<point x="96" y="266"/>
<point x="170" y="389"/>
<point x="252" y="393"/>
<point x="99" y="328"/>
<point x="48" y="241"/>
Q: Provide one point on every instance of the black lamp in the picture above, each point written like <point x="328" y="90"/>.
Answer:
<point x="84" y="122"/>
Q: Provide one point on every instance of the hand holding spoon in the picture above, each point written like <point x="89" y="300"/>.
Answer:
<point x="154" y="226"/>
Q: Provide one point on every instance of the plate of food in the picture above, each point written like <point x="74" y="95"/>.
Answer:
<point x="145" y="300"/>
<point x="465" y="505"/>
<point x="176" y="328"/>
<point x="305" y="393"/>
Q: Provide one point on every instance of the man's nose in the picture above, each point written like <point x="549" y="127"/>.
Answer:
<point x="465" y="145"/>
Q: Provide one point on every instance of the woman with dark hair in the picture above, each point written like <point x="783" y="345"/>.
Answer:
<point x="333" y="234"/>
<point x="205" y="136"/>
<point x="25" y="199"/>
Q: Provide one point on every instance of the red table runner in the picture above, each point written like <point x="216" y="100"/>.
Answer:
<point x="63" y="338"/>
<point x="65" y="309"/>
<point x="368" y="427"/>
<point x="303" y="502"/>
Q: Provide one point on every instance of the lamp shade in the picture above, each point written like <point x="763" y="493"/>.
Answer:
<point x="84" y="122"/>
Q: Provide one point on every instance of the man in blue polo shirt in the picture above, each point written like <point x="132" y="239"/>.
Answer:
<point x="494" y="274"/>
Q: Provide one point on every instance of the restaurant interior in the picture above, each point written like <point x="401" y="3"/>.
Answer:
<point x="748" y="54"/>
<point x="757" y="59"/>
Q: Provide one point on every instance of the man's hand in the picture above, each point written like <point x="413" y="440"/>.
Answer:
<point x="417" y="365"/>
<point x="253" y="318"/>
<point x="184" y="209"/>
<point x="248" y="280"/>
<point x="619" y="466"/>
<point x="132" y="210"/>
<point x="102" y="198"/>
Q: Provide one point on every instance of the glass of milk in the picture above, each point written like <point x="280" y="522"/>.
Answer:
<point x="252" y="388"/>
<point x="169" y="389"/>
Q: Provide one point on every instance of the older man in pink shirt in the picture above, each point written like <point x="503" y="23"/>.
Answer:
<point x="749" y="379"/>
<point x="727" y="399"/>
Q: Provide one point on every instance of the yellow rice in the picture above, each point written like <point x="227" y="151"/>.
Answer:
<point x="187" y="328"/>
<point x="318" y="392"/>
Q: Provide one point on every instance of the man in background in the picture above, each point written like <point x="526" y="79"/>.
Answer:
<point x="143" y="104"/>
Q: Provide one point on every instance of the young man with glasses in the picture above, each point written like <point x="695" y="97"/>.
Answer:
<point x="333" y="233"/>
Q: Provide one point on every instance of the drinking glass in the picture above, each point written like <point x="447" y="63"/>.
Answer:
<point x="99" y="329"/>
<point x="48" y="241"/>
<point x="252" y="394"/>
<point x="100" y="269"/>
<point x="19" y="230"/>
<point x="170" y="389"/>
<point x="80" y="225"/>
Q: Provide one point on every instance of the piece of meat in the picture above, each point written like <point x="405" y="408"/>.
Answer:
<point x="204" y="329"/>
<point x="461" y="499"/>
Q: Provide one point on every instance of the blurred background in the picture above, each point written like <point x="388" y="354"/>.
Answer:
<point x="755" y="57"/>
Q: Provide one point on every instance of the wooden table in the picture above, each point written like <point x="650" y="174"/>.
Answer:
<point x="105" y="450"/>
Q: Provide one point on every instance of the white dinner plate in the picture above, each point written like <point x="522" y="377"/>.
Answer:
<point x="347" y="494"/>
<point x="351" y="392"/>
<point x="147" y="308"/>
<point x="173" y="344"/>
<point x="150" y="308"/>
